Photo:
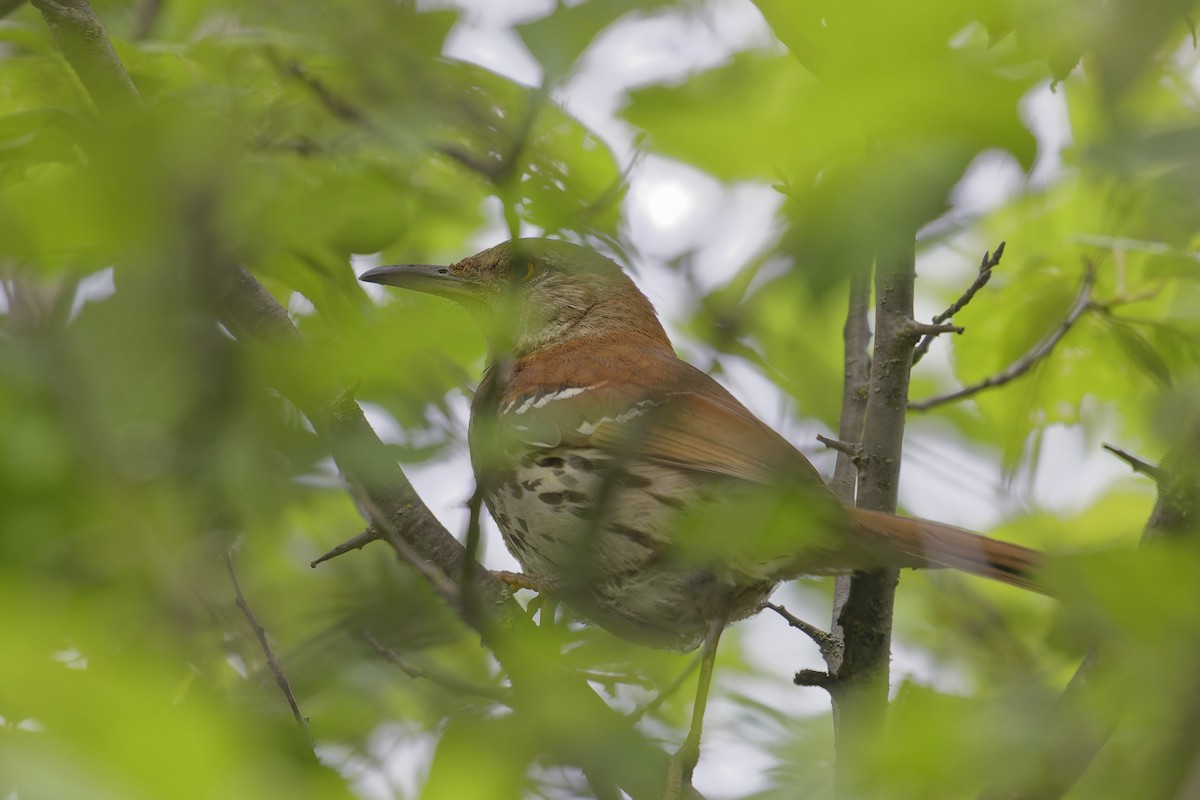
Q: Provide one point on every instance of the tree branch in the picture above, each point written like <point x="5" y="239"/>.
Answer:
<point x="856" y="337"/>
<point x="1055" y="771"/>
<point x="990" y="262"/>
<point x="863" y="619"/>
<point x="1138" y="465"/>
<point x="356" y="543"/>
<point x="1083" y="301"/>
<point x="260" y="633"/>
<point x="85" y="44"/>
<point x="851" y="449"/>
<point x="453" y="685"/>
<point x="534" y="665"/>
<point x="823" y="640"/>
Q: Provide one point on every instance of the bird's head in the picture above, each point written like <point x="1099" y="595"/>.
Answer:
<point x="533" y="293"/>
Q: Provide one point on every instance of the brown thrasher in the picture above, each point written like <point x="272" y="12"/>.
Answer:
<point x="635" y="486"/>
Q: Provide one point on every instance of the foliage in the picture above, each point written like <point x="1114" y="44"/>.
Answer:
<point x="139" y="442"/>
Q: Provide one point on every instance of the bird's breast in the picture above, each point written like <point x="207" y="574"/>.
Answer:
<point x="600" y="533"/>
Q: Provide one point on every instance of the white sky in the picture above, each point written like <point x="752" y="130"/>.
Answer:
<point x="671" y="208"/>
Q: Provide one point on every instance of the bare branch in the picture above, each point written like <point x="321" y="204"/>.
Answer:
<point x="817" y="678"/>
<point x="272" y="663"/>
<point x="851" y="449"/>
<point x="371" y="534"/>
<point x="454" y="685"/>
<point x="85" y="44"/>
<point x="1083" y="302"/>
<point x="1138" y="465"/>
<point x="447" y="588"/>
<point x="930" y="330"/>
<point x="661" y="697"/>
<point x="990" y="262"/>
<point x="822" y="639"/>
<point x="856" y="337"/>
<point x="863" y="605"/>
<point x="336" y="105"/>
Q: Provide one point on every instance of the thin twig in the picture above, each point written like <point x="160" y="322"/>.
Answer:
<point x="990" y="262"/>
<point x="928" y="329"/>
<point x="260" y="633"/>
<point x="856" y="337"/>
<point x="466" y="581"/>
<point x="852" y="449"/>
<point x="330" y="100"/>
<point x="453" y="685"/>
<point x="662" y="696"/>
<point x="817" y="678"/>
<point x="441" y="582"/>
<point x="1083" y="302"/>
<point x="822" y="639"/>
<point x="1145" y="467"/>
<point x="371" y="534"/>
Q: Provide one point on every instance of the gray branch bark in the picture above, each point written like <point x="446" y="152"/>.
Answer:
<point x="863" y="603"/>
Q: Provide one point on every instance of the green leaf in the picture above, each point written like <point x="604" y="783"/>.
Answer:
<point x="558" y="39"/>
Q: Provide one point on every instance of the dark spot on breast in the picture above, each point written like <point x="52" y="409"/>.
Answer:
<point x="550" y="462"/>
<point x="532" y="484"/>
<point x="667" y="500"/>
<point x="639" y="536"/>
<point x="557" y="498"/>
<point x="635" y="481"/>
<point x="582" y="464"/>
<point x="515" y="490"/>
<point x="523" y="525"/>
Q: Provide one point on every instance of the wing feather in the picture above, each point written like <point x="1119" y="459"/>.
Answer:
<point x="651" y="406"/>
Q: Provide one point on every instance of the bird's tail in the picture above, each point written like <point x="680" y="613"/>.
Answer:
<point x="921" y="543"/>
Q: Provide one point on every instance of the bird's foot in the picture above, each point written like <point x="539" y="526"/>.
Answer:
<point x="519" y="580"/>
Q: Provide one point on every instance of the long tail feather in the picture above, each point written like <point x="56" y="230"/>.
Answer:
<point x="923" y="543"/>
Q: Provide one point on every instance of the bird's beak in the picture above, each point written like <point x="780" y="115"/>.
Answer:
<point x="429" y="278"/>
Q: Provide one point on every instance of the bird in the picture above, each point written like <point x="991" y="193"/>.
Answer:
<point x="634" y="486"/>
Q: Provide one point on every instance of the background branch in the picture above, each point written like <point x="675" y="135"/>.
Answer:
<point x="85" y="44"/>
<point x="990" y="262"/>
<point x="260" y="634"/>
<point x="1083" y="301"/>
<point x="1055" y="770"/>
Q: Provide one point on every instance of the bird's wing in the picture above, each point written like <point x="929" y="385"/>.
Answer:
<point x="650" y="405"/>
